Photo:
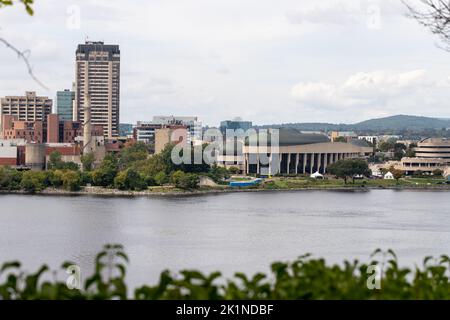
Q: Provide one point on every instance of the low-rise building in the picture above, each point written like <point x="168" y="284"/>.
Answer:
<point x="30" y="131"/>
<point x="347" y="135"/>
<point x="12" y="152"/>
<point x="194" y="127"/>
<point x="372" y="139"/>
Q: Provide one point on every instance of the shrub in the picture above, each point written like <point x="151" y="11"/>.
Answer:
<point x="10" y="179"/>
<point x="302" y="279"/>
<point x="160" y="178"/>
<point x="71" y="180"/>
<point x="233" y="170"/>
<point x="185" y="181"/>
<point x="105" y="174"/>
<point x="129" y="179"/>
<point x="33" y="181"/>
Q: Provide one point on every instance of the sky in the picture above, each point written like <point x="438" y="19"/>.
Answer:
<point x="267" y="61"/>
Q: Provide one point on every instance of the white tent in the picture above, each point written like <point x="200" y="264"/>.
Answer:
<point x="389" y="176"/>
<point x="316" y="175"/>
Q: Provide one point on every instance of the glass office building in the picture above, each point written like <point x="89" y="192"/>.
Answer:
<point x="64" y="104"/>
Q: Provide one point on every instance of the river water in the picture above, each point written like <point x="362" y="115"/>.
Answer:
<point x="227" y="232"/>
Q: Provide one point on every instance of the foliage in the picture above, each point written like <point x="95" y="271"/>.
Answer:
<point x="218" y="173"/>
<point x="340" y="139"/>
<point x="438" y="173"/>
<point x="55" y="162"/>
<point x="105" y="174"/>
<point x="9" y="179"/>
<point x="71" y="180"/>
<point x="398" y="174"/>
<point x="185" y="181"/>
<point x="132" y="153"/>
<point x="55" y="178"/>
<point x="233" y="170"/>
<point x="129" y="179"/>
<point x="304" y="278"/>
<point x="33" y="181"/>
<point x="399" y="151"/>
<point x="349" y="168"/>
<point x="26" y="3"/>
<point x="87" y="160"/>
<point x="161" y="178"/>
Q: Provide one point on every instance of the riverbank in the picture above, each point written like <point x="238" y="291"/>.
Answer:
<point x="173" y="192"/>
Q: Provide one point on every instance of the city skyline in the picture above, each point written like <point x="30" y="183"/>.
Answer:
<point x="264" y="63"/>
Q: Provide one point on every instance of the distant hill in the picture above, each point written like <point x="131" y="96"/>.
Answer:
<point x="394" y="123"/>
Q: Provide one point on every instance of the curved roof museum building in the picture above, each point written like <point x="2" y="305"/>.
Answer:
<point x="300" y="153"/>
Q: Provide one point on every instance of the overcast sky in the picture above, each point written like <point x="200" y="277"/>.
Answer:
<point x="268" y="61"/>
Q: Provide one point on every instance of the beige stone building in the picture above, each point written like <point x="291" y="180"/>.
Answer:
<point x="29" y="107"/>
<point x="173" y="134"/>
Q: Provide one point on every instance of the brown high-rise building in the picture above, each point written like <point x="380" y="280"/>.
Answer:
<point x="98" y="73"/>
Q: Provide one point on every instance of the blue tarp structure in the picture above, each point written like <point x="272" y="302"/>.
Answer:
<point x="248" y="183"/>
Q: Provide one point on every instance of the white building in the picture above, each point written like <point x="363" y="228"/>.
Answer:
<point x="372" y="139"/>
<point x="193" y="125"/>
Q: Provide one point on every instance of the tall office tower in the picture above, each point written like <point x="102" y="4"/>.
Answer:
<point x="64" y="104"/>
<point x="29" y="107"/>
<point x="98" y="73"/>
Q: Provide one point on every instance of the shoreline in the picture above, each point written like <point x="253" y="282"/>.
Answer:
<point x="104" y="192"/>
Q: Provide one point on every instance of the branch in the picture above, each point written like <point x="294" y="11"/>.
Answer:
<point x="436" y="17"/>
<point x="23" y="56"/>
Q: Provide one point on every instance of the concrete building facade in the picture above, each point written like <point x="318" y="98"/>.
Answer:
<point x="168" y="135"/>
<point x="29" y="107"/>
<point x="98" y="73"/>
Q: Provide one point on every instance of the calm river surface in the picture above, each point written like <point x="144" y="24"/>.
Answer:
<point x="229" y="232"/>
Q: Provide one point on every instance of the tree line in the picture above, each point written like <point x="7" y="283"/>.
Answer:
<point x="131" y="169"/>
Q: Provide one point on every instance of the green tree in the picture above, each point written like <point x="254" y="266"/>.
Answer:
<point x="438" y="173"/>
<point x="132" y="153"/>
<point x="71" y="180"/>
<point x="161" y="178"/>
<point x="105" y="174"/>
<point x="33" y="181"/>
<point x="349" y="168"/>
<point x="340" y="139"/>
<point x="129" y="179"/>
<point x="54" y="160"/>
<point x="10" y="178"/>
<point x="55" y="178"/>
<point x="218" y="173"/>
<point x="185" y="181"/>
<point x="234" y="170"/>
<point x="87" y="160"/>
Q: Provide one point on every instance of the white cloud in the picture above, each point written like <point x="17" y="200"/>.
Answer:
<point x="366" y="89"/>
<point x="218" y="59"/>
